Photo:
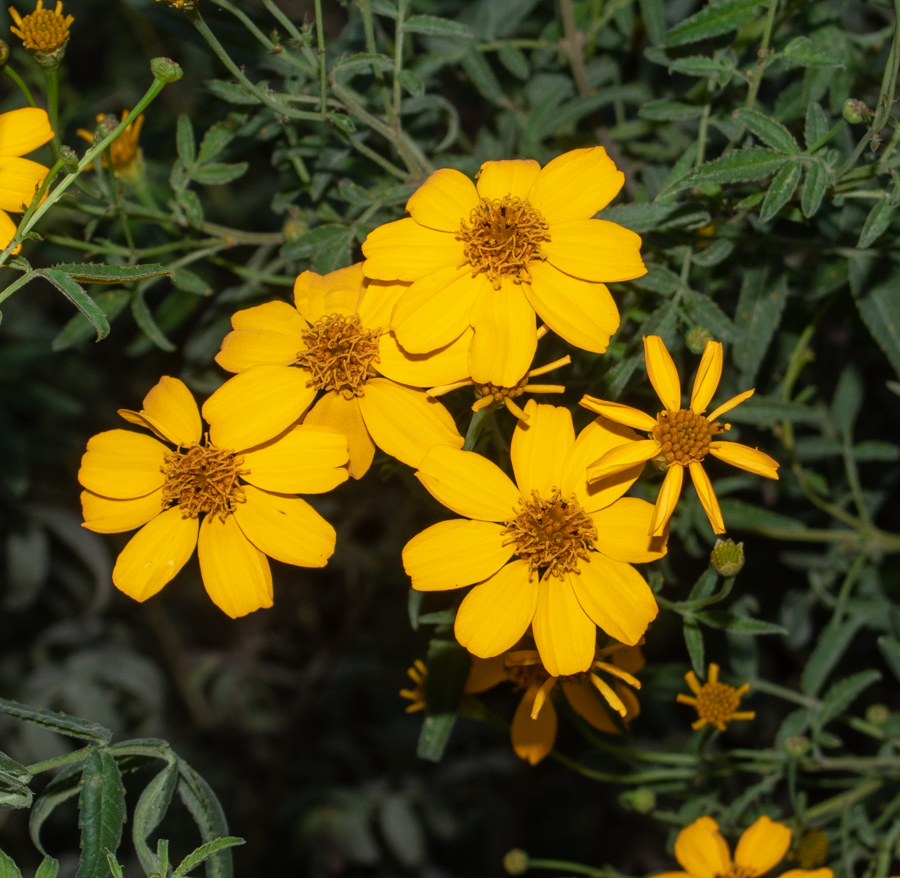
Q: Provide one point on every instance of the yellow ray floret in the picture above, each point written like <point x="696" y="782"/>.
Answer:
<point x="716" y="702"/>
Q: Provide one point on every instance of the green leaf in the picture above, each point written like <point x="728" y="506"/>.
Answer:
<point x="218" y="137"/>
<point x="873" y="450"/>
<point x="706" y="313"/>
<point x="363" y="61"/>
<point x="483" y="78"/>
<point x="816" y="126"/>
<point x="114" y="867"/>
<point x="412" y="83"/>
<point x="664" y="110"/>
<point x="192" y="283"/>
<point x="802" y="51"/>
<point x="744" y="516"/>
<point x="101" y="808"/>
<point x="715" y="19"/>
<point x="448" y="668"/>
<point x="216" y="174"/>
<point x="739" y="166"/>
<point x="150" y="811"/>
<point x="638" y="217"/>
<point x="693" y="638"/>
<point x="315" y="240"/>
<point x="758" y="315"/>
<point x="207" y="812"/>
<point x="49" y="868"/>
<point x="769" y="131"/>
<point x="653" y="12"/>
<point x="14" y="769"/>
<point x="147" y="324"/>
<point x="90" y="273"/>
<point x="817" y="180"/>
<point x="876" y="223"/>
<point x="434" y="736"/>
<point x="880" y="311"/>
<point x="725" y="621"/>
<point x="72" y="726"/>
<point x="231" y="92"/>
<point x="714" y="254"/>
<point x="79" y="298"/>
<point x="189" y="202"/>
<point x="184" y="141"/>
<point x="661" y="322"/>
<point x="781" y="190"/>
<point x="8" y="868"/>
<point x="842" y="694"/>
<point x="658" y="279"/>
<point x="693" y="65"/>
<point x="848" y="399"/>
<point x="831" y="646"/>
<point x="890" y="651"/>
<point x="204" y="852"/>
<point x="514" y="60"/>
<point x="14" y="794"/>
<point x="766" y="412"/>
<point x="432" y="26"/>
<point x="65" y="785"/>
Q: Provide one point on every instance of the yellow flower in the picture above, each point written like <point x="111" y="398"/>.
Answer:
<point x="329" y="342"/>
<point x="716" y="703"/>
<point x="418" y="673"/>
<point x="533" y="730"/>
<point x="679" y="437"/>
<point x="572" y="544"/>
<point x="133" y="480"/>
<point x="21" y="131"/>
<point x="703" y="853"/>
<point x="125" y="149"/>
<point x="43" y="32"/>
<point x="490" y="256"/>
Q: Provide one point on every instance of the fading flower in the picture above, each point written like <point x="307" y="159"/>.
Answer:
<point x="716" y="702"/>
<point x="125" y="149"/>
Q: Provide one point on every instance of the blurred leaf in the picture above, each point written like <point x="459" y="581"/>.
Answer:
<point x="638" y="217"/>
<point x="842" y="694"/>
<point x="79" y="298"/>
<point x="830" y="647"/>
<point x="432" y="26"/>
<point x="890" y="651"/>
<point x="665" y="110"/>
<point x="817" y="181"/>
<point x="712" y="20"/>
<point x="740" y="166"/>
<point x="192" y="283"/>
<point x="876" y="223"/>
<point x="816" y="126"/>
<point x="653" y="12"/>
<point x="219" y="136"/>
<point x="880" y="311"/>
<point x="726" y="621"/>
<point x="744" y="516"/>
<point x="150" y="811"/>
<point x="873" y="450"/>
<point x="760" y="306"/>
<point x="90" y="273"/>
<point x="781" y="190"/>
<point x="693" y="65"/>
<point x="72" y="726"/>
<point x="204" y="852"/>
<point x="147" y="324"/>
<point x="706" y="313"/>
<point x="216" y="174"/>
<point x="79" y="328"/>
<point x="402" y="831"/>
<point x="479" y="71"/>
<point x="411" y="82"/>
<point x="49" y="868"/>
<point x="101" y="807"/>
<point x="716" y="253"/>
<point x="8" y="868"/>
<point x="848" y="399"/>
<point x="319" y="238"/>
<point x="27" y="565"/>
<point x="766" y="412"/>
<point x="65" y="785"/>
<point x="207" y="812"/>
<point x="184" y="141"/>
<point x="693" y="638"/>
<point x="514" y="60"/>
<point x="365" y="61"/>
<point x="434" y="736"/>
<point x="772" y="133"/>
<point x="802" y="51"/>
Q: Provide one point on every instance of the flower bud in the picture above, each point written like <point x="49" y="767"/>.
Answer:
<point x="4" y="53"/>
<point x="855" y="111"/>
<point x="69" y="159"/>
<point x="166" y="70"/>
<point x="516" y="862"/>
<point x="697" y="338"/>
<point x="727" y="557"/>
<point x="878" y="714"/>
<point x="796" y="745"/>
<point x="641" y="800"/>
<point x="294" y="229"/>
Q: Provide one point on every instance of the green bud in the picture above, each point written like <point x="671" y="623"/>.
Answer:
<point x="69" y="159"/>
<point x="878" y="714"/>
<point x="641" y="800"/>
<point x="516" y="862"/>
<point x="697" y="338"/>
<point x="166" y="70"/>
<point x="796" y="745"/>
<point x="4" y="53"/>
<point x="855" y="111"/>
<point x="294" y="229"/>
<point x="727" y="557"/>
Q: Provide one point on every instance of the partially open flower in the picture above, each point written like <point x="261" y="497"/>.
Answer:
<point x="43" y="32"/>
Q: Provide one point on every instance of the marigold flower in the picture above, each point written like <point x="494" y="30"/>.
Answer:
<point x="716" y="702"/>
<point x="232" y="504"/>
<point x="21" y="131"/>
<point x="125" y="149"/>
<point x="491" y="255"/>
<point x="43" y="32"/>
<point x="572" y="544"/>
<point x="679" y="437"/>
<point x="702" y="852"/>
<point x="330" y="342"/>
<point x="418" y="673"/>
<point x="533" y="730"/>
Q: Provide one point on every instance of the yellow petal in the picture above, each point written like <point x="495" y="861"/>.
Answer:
<point x="494" y="615"/>
<point x="622" y="458"/>
<point x="267" y="334"/>
<point x="575" y="185"/>
<point x="287" y="529"/>
<point x="404" y="422"/>
<point x="443" y="201"/>
<point x="595" y="250"/>
<point x="701" y="851"/>
<point x="593" y="442"/>
<point x="621" y="414"/>
<point x="169" y="411"/>
<point x="19" y="180"/>
<point x="107" y="516"/>
<point x="540" y="446"/>
<point x="451" y="554"/>
<point x="122" y="465"/>
<point x="762" y="846"/>
<point x="486" y="673"/>
<point x="751" y="459"/>
<point x="666" y="500"/>
<point x="581" y="312"/>
<point x="337" y="292"/>
<point x="155" y="554"/>
<point x="510" y="177"/>
<point x="7" y="232"/>
<point x="532" y="739"/>
<point x="378" y="302"/>
<point x="623" y="532"/>
<point x="236" y="575"/>
<point x="615" y="596"/>
<point x="707" y="497"/>
<point x="671" y="875"/>
<point x="505" y="335"/>
<point x="23" y="130"/>
<point x="302" y="460"/>
<point x="404" y="250"/>
<point x="730" y="404"/>
<point x="807" y="873"/>
<point x="469" y="484"/>
<point x="565" y="637"/>
<point x="447" y="365"/>
<point x="335" y="412"/>
<point x="707" y="378"/>
<point x="583" y="698"/>
<point x="256" y="405"/>
<point x="435" y="310"/>
<point x="662" y="372"/>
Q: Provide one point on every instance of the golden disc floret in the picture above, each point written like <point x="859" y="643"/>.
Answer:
<point x="340" y="354"/>
<point x="43" y="31"/>
<point x="684" y="436"/>
<point x="203" y="479"/>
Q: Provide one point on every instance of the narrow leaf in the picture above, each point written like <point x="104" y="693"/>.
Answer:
<point x="876" y="223"/>
<point x="207" y="812"/>
<point x="91" y="273"/>
<point x="715" y="19"/>
<point x="725" y="621"/>
<point x="65" y="785"/>
<point x="315" y="240"/>
<point x="79" y="298"/>
<point x="760" y="306"/>
<point x="432" y="26"/>
<point x="769" y="131"/>
<point x="781" y="190"/>
<point x="880" y="311"/>
<point x="101" y="813"/>
<point x="816" y="126"/>
<point x="184" y="141"/>
<point x="842" y="694"/>
<point x="148" y="325"/>
<point x="739" y="166"/>
<point x="150" y="811"/>
<point x="72" y="726"/>
<point x="817" y="180"/>
<point x="435" y="733"/>
<point x="49" y="868"/>
<point x="693" y="638"/>
<point x="831" y="646"/>
<point x="216" y="174"/>
<point x="204" y="852"/>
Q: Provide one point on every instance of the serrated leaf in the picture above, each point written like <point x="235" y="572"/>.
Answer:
<point x="217" y="174"/>
<point x="207" y="812"/>
<point x="65" y="785"/>
<point x="514" y="60"/>
<point x="204" y="852"/>
<point x="658" y="279"/>
<point x="316" y="240"/>
<point x="705" y="312"/>
<point x="816" y="126"/>
<point x="91" y="273"/>
<point x="150" y="811"/>
<point x="829" y="649"/>
<point x="141" y="313"/>
<point x="49" y="868"/>
<point x="876" y="223"/>
<point x="715" y="19"/>
<point x="714" y="254"/>
<point x="638" y="217"/>
<point x="218" y="137"/>
<point x="880" y="311"/>
<point x="432" y="26"/>
<point x="693" y="639"/>
<point x="363" y="60"/>
<point x="101" y="808"/>
<point x="769" y="131"/>
<point x="186" y="280"/>
<point x="231" y="92"/>
<point x="760" y="306"/>
<point x="693" y="65"/>
<point x="71" y="726"/>
<point x="184" y="141"/>
<point x="781" y="190"/>
<point x="674" y="111"/>
<point x="817" y="179"/>
<point x="842" y="694"/>
<point x="114" y="867"/>
<point x="8" y="868"/>
<point x="79" y="298"/>
<point x="725" y="621"/>
<point x="740" y="166"/>
<point x="802" y="51"/>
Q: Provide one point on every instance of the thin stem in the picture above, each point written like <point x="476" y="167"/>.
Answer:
<point x="641" y="777"/>
<point x="782" y="692"/>
<point x="365" y="7"/>
<point x="847" y="589"/>
<point x="845" y="800"/>
<point x="51" y="76"/>
<point x="285" y="21"/>
<point x="20" y="83"/>
<point x="398" y="61"/>
<point x="59" y="761"/>
<point x="837" y="129"/>
<point x="573" y="43"/>
<point x="701" y="136"/>
<point x="117" y="201"/>
<point x="574" y="868"/>
<point x="476" y="425"/>
<point x="320" y="49"/>
<point x="17" y="284"/>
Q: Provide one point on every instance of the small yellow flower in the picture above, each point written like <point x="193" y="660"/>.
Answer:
<point x="716" y="703"/>
<point x="329" y="342"/>
<point x="235" y="506"/>
<point x="679" y="437"/>
<point x="43" y="32"/>
<point x="533" y="729"/>
<point x="570" y="546"/>
<point x="418" y="673"/>
<point x="181" y="5"/>
<point x="491" y="255"/>
<point x="21" y="131"/>
<point x="125" y="149"/>
<point x="812" y="849"/>
<point x="703" y="853"/>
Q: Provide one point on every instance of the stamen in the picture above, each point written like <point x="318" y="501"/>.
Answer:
<point x="203" y="479"/>
<point x="339" y="354"/>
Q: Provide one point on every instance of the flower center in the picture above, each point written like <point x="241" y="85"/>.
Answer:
<point x="683" y="436"/>
<point x="498" y="394"/>
<point x="339" y="354"/>
<point x="552" y="534"/>
<point x="526" y="676"/>
<point x="737" y="871"/>
<point x="44" y="30"/>
<point x="202" y="479"/>
<point x="717" y="702"/>
<point x="503" y="236"/>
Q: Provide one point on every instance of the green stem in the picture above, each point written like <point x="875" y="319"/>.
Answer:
<point x="59" y="761"/>
<point x="847" y="588"/>
<point x="20" y="83"/>
<point x="574" y="868"/>
<point x="365" y="7"/>
<point x="837" y="129"/>
<point x="51" y="76"/>
<point x="637" y="778"/>
<point x="476" y="425"/>
<point x="286" y="23"/>
<point x="17" y="284"/>
<point x="398" y="62"/>
<point x="701" y="136"/>
<point x="843" y="801"/>
<point x="320" y="49"/>
<point x="117" y="202"/>
<point x="782" y="692"/>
